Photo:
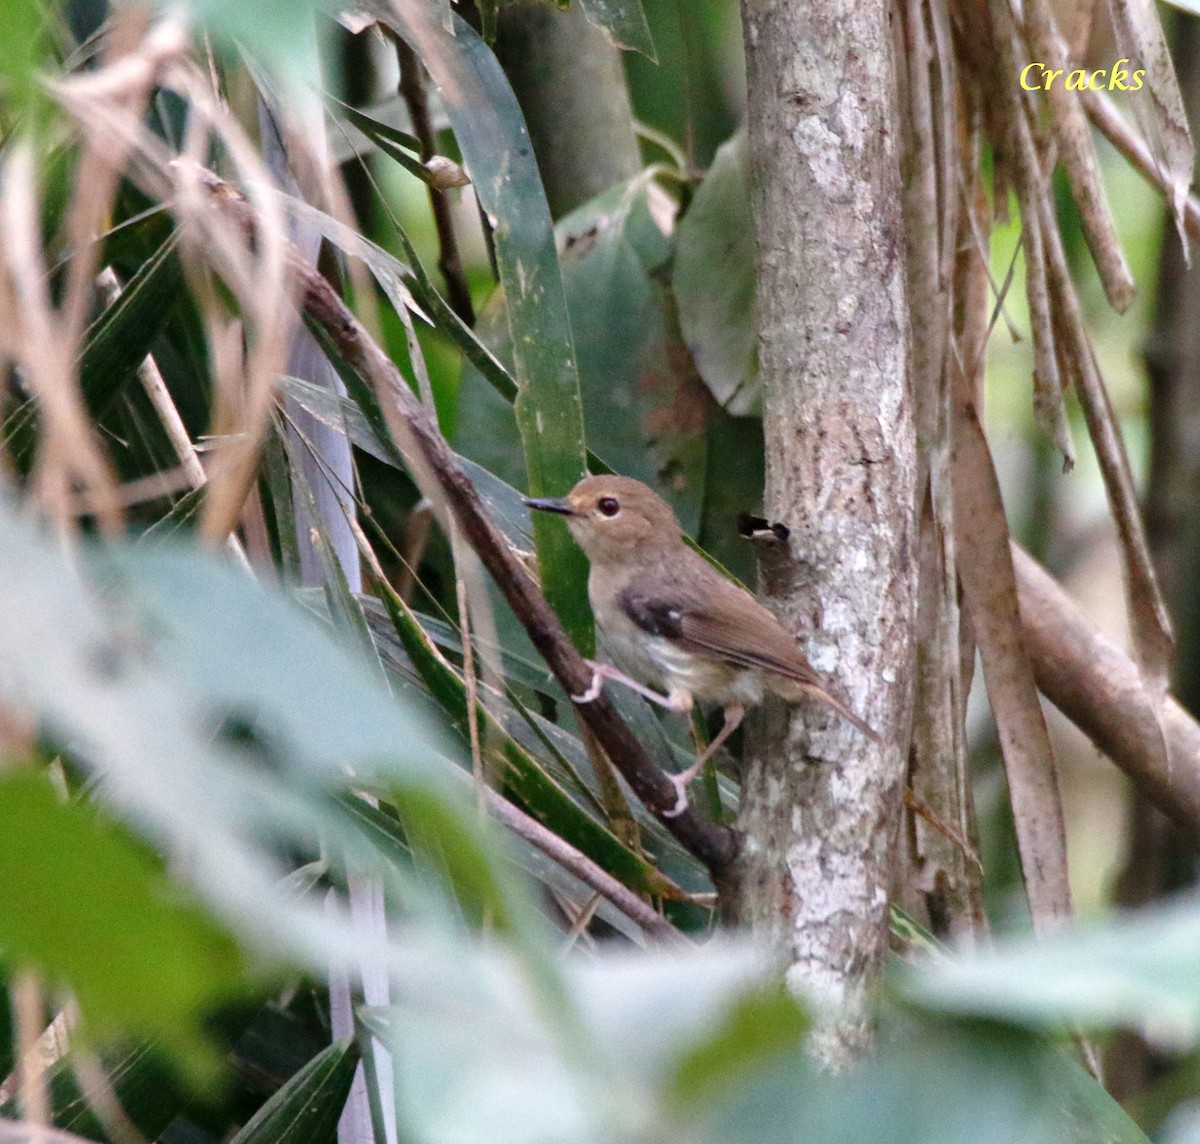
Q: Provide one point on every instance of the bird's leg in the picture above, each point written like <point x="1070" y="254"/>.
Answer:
<point x="674" y="700"/>
<point x="734" y="714"/>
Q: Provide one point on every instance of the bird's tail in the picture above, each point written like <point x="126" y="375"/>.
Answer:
<point x="844" y="711"/>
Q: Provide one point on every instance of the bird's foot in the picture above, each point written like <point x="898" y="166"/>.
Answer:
<point x="681" y="782"/>
<point x="679" y="701"/>
<point x="734" y="714"/>
<point x="594" y="688"/>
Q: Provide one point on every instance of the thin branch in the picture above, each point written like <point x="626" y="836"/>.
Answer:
<point x="416" y="432"/>
<point x="412" y="90"/>
<point x="1101" y="691"/>
<point x="579" y="864"/>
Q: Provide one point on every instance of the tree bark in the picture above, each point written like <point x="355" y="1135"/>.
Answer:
<point x="821" y="805"/>
<point x="568" y="78"/>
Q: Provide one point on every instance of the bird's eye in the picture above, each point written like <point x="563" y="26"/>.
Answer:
<point x="608" y="506"/>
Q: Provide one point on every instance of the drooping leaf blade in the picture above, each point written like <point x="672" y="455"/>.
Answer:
<point x="496" y="149"/>
<point x="307" y="1108"/>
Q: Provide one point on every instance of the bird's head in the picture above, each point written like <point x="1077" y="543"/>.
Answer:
<point x="613" y="518"/>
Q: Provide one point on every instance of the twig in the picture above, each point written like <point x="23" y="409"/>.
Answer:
<point x="412" y="90"/>
<point x="415" y="432"/>
<point x="579" y="864"/>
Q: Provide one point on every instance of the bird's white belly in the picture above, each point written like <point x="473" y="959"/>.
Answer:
<point x="705" y="679"/>
<point x="663" y="664"/>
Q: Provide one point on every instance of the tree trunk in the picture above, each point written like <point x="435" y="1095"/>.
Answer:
<point x="567" y="77"/>
<point x="821" y="804"/>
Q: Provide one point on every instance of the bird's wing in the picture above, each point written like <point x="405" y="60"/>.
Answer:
<point x="702" y="612"/>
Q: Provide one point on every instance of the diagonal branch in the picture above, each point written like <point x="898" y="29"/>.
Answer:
<point x="410" y="425"/>
<point x="579" y="864"/>
<point x="1101" y="691"/>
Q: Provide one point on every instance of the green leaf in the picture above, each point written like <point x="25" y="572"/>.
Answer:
<point x="307" y="1108"/>
<point x="1141" y="972"/>
<point x="495" y="146"/>
<point x="714" y="280"/>
<point x="645" y="408"/>
<point x="122" y="336"/>
<point x="148" y="1088"/>
<point x="220" y="721"/>
<point x="929" y="1083"/>
<point x="90" y="908"/>
<point x="23" y="39"/>
<point x="625" y="21"/>
<point x="477" y="1061"/>
<point x="759" y="1025"/>
<point x="284" y="32"/>
<point x="394" y="143"/>
<point x="519" y="771"/>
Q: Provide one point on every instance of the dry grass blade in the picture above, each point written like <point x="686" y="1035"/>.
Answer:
<point x="1107" y="118"/>
<point x="1158" y="106"/>
<point x="1150" y="625"/>
<point x="33" y="1096"/>
<point x="1075" y="21"/>
<point x="1075" y="147"/>
<point x="990" y="592"/>
<point x="929" y="312"/>
<point x="1048" y="402"/>
<point x="39" y="343"/>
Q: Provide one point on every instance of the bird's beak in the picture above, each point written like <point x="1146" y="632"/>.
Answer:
<point x="559" y="505"/>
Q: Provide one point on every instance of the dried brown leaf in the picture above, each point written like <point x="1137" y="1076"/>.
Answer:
<point x="1078" y="156"/>
<point x="1108" y="119"/>
<point x="990" y="593"/>
<point x="1150" y="625"/>
<point x="1158" y="105"/>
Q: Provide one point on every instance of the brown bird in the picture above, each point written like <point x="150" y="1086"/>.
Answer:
<point x="674" y="619"/>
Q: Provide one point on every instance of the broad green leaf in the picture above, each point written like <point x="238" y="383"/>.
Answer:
<point x="758" y="1026"/>
<point x="1141" y="971"/>
<point x="624" y="21"/>
<point x="283" y="32"/>
<point x="475" y="1061"/>
<point x="644" y="406"/>
<point x="714" y="280"/>
<point x="23" y="38"/>
<point x="90" y="908"/>
<point x="934" y="1084"/>
<point x="495" y="146"/>
<point x="223" y="724"/>
<point x="307" y="1108"/>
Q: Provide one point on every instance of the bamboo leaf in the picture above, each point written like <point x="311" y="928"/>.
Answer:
<point x="495" y="145"/>
<point x="92" y="909"/>
<point x="625" y="21"/>
<point x="1157" y="103"/>
<point x="645" y="408"/>
<point x="307" y="1108"/>
<point x="714" y="280"/>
